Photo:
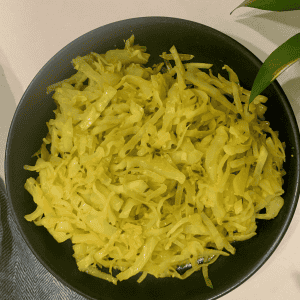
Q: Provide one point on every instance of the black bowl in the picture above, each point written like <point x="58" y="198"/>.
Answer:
<point x="29" y="127"/>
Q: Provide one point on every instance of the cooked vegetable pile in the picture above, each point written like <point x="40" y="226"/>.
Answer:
<point x="149" y="169"/>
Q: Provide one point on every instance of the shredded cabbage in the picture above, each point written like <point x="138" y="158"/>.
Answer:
<point x="151" y="169"/>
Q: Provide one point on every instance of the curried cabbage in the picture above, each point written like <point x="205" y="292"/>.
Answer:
<point x="149" y="170"/>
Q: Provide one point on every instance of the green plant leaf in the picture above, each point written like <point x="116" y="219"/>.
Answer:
<point x="274" y="5"/>
<point x="278" y="61"/>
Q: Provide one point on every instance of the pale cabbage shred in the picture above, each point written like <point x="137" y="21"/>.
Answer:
<point x="147" y="172"/>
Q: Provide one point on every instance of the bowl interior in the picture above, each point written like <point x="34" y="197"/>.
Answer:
<point x="158" y="34"/>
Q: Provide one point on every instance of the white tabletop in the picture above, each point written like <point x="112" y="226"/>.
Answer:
<point x="32" y="31"/>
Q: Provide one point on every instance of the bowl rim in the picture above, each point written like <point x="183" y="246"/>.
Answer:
<point x="255" y="60"/>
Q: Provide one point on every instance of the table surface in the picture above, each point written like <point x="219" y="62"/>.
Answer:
<point x="32" y="31"/>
